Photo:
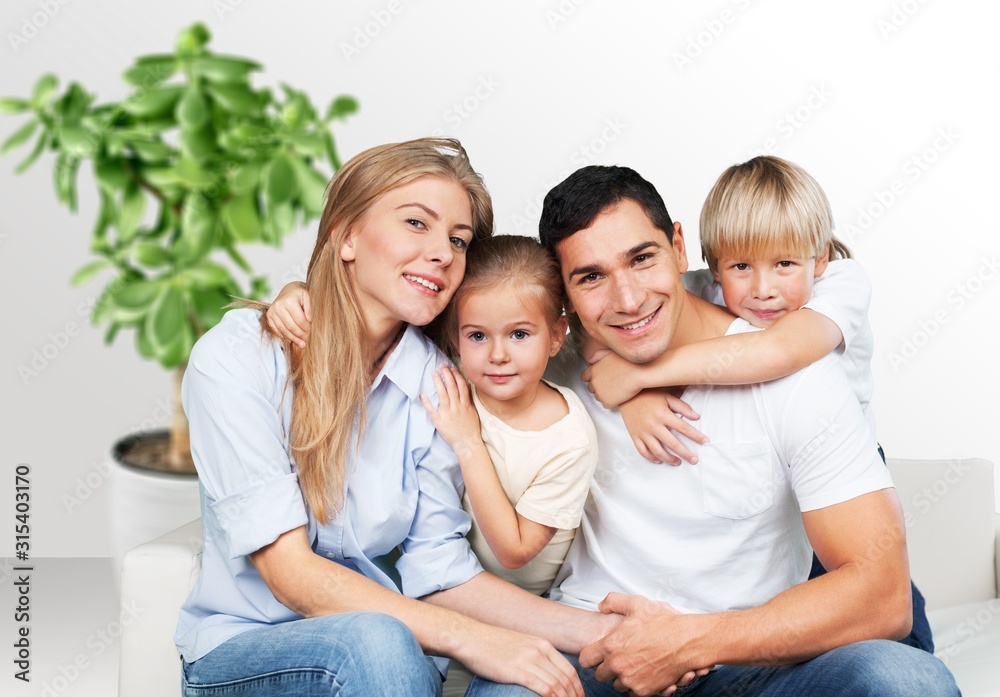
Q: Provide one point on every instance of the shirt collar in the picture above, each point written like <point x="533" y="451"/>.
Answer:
<point x="406" y="364"/>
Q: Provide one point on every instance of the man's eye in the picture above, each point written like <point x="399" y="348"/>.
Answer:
<point x="589" y="278"/>
<point x="519" y="335"/>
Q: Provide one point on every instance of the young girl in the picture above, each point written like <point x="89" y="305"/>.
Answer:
<point x="767" y="236"/>
<point x="526" y="447"/>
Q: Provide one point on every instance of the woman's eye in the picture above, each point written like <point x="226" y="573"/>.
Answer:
<point x="519" y="335"/>
<point x="460" y="242"/>
<point x="416" y="222"/>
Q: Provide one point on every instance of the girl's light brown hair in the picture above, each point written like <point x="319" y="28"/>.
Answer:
<point x="509" y="263"/>
<point x="330" y="376"/>
<point x="763" y="205"/>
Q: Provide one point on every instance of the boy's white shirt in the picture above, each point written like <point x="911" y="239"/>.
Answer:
<point x="843" y="293"/>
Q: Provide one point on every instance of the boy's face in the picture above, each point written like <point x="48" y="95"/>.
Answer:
<point x="763" y="289"/>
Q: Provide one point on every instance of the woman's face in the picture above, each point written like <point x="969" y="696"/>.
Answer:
<point x="406" y="254"/>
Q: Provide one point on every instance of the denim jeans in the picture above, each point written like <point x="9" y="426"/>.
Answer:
<point x="869" y="668"/>
<point x="356" y="654"/>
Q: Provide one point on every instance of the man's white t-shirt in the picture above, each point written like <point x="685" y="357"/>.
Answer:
<point x="727" y="533"/>
<point x="844" y="294"/>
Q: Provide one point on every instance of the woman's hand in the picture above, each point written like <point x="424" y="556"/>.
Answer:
<point x="456" y="418"/>
<point x="652" y="418"/>
<point x="290" y="315"/>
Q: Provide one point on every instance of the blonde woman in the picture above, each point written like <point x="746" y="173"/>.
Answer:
<point x="317" y="461"/>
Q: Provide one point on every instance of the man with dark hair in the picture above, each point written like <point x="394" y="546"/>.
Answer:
<point x="708" y="563"/>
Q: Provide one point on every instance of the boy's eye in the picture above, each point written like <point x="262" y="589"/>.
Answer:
<point x="519" y="335"/>
<point x="741" y="266"/>
<point x="786" y="264"/>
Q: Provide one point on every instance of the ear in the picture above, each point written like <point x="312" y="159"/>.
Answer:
<point x="679" y="249"/>
<point x="347" y="251"/>
<point x="822" y="261"/>
<point x="715" y="273"/>
<point x="559" y="330"/>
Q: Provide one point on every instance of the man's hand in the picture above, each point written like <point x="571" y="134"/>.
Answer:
<point x="644" y="654"/>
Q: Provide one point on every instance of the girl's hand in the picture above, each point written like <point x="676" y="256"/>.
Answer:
<point x="652" y="418"/>
<point x="290" y="315"/>
<point x="611" y="379"/>
<point x="456" y="418"/>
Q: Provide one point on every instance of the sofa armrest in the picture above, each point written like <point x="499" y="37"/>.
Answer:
<point x="156" y="579"/>
<point x="996" y="558"/>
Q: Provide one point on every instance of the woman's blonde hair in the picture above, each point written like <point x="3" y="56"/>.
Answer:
<point x="330" y="376"/>
<point x="512" y="263"/>
<point x="765" y="204"/>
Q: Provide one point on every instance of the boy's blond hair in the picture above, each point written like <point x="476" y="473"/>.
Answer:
<point x="763" y="205"/>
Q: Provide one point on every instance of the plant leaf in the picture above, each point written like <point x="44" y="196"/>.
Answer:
<point x="151" y="150"/>
<point x="19" y="136"/>
<point x="149" y="71"/>
<point x="342" y="107"/>
<point x="133" y="301"/>
<point x="312" y="188"/>
<point x="166" y="317"/>
<point x="236" y="98"/>
<point x="311" y="144"/>
<point x="210" y="306"/>
<point x="246" y="179"/>
<point x="77" y="140"/>
<point x="279" y="181"/>
<point x="192" y="109"/>
<point x="64" y="174"/>
<point x="153" y="103"/>
<point x="198" y="144"/>
<point x="217" y="68"/>
<point x="150" y="254"/>
<point x="198" y="229"/>
<point x="237" y="258"/>
<point x="207" y="274"/>
<point x="45" y="87"/>
<point x="242" y="218"/>
<point x="192" y="174"/>
<point x="87" y="271"/>
<point x="110" y="173"/>
<point x="40" y="142"/>
<point x="130" y="213"/>
<point x="13" y="105"/>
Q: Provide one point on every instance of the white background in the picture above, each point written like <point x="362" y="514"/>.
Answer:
<point x="853" y="91"/>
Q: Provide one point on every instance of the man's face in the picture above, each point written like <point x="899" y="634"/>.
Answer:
<point x="623" y="281"/>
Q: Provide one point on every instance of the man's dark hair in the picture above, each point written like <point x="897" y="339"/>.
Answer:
<point x="573" y="204"/>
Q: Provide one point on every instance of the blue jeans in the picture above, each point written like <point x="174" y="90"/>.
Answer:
<point x="869" y="668"/>
<point x="355" y="654"/>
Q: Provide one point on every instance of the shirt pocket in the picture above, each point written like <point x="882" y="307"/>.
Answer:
<point x="737" y="479"/>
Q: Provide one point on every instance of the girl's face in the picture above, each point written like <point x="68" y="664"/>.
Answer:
<point x="505" y="343"/>
<point x="764" y="289"/>
<point x="406" y="254"/>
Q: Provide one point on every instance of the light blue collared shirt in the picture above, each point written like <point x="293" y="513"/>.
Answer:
<point x="402" y="487"/>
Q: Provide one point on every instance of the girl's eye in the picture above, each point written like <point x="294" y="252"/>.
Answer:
<point x="477" y="336"/>
<point x="519" y="335"/>
<point x="459" y="242"/>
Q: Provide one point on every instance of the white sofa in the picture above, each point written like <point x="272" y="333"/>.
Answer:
<point x="954" y="542"/>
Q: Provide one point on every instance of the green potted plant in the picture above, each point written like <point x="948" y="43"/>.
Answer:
<point x="193" y="164"/>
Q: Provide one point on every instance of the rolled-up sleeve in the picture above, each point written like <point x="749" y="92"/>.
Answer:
<point x="436" y="554"/>
<point x="232" y="395"/>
